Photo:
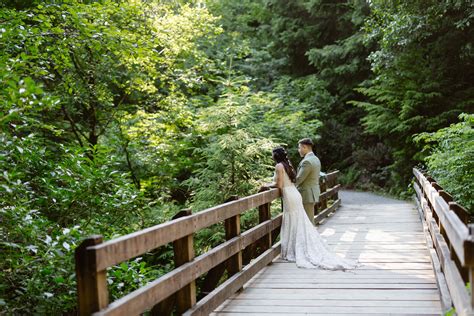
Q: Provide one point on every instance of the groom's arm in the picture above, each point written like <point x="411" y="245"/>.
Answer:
<point x="303" y="172"/>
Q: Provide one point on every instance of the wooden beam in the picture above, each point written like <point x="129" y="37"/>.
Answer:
<point x="213" y="276"/>
<point x="229" y="287"/>
<point x="454" y="280"/>
<point x="91" y="284"/>
<point x="232" y="229"/>
<point x="331" y="192"/>
<point x="155" y="291"/>
<point x="264" y="215"/>
<point x="446" y="301"/>
<point x="460" y="211"/>
<point x="183" y="250"/>
<point x="332" y="176"/>
<point x="323" y="201"/>
<point x="471" y="264"/>
<point x="457" y="233"/>
<point x="451" y="225"/>
<point x="325" y="213"/>
<point x="460" y="246"/>
<point x="129" y="246"/>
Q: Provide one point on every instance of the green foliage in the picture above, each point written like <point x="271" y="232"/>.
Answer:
<point x="313" y="54"/>
<point x="131" y="275"/>
<point x="350" y="176"/>
<point x="423" y="75"/>
<point x="235" y="155"/>
<point x="451" y="159"/>
<point x="293" y="111"/>
<point x="48" y="204"/>
<point x="116" y="114"/>
<point x="36" y="263"/>
<point x="90" y="71"/>
<point x="78" y="82"/>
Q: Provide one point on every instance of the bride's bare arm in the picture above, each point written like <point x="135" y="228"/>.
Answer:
<point x="279" y="170"/>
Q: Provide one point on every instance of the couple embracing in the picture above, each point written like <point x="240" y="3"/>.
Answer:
<point x="300" y="240"/>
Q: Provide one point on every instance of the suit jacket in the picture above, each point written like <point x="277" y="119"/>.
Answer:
<point x="307" y="178"/>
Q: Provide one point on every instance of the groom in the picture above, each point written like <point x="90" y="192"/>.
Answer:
<point x="307" y="178"/>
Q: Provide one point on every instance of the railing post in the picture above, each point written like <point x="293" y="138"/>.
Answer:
<point x="91" y="284"/>
<point x="186" y="297"/>
<point x="323" y="200"/>
<point x="334" y="183"/>
<point x="264" y="214"/>
<point x="183" y="249"/>
<point x="432" y="207"/>
<point x="442" y="231"/>
<point x="461" y="213"/>
<point x="232" y="229"/>
<point x="471" y="267"/>
<point x="233" y="264"/>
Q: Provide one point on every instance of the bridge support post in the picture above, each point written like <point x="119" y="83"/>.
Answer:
<point x="91" y="284"/>
<point x="471" y="267"/>
<point x="264" y="214"/>
<point x="323" y="201"/>
<point x="183" y="249"/>
<point x="232" y="229"/>
<point x="185" y="298"/>
<point x="233" y="264"/>
<point x="334" y="183"/>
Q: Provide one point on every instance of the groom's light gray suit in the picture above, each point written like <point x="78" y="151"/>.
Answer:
<point x="307" y="182"/>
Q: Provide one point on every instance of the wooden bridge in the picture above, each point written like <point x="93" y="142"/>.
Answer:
<point x="415" y="260"/>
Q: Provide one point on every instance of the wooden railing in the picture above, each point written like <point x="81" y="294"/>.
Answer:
<point x="177" y="288"/>
<point x="451" y="243"/>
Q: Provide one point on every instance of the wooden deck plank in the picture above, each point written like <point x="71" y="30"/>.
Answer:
<point x="369" y="272"/>
<point x="347" y="281"/>
<point x="336" y="294"/>
<point x="378" y="246"/>
<point x="395" y="277"/>
<point x="344" y="303"/>
<point x="342" y="285"/>
<point x="331" y="309"/>
<point x="374" y="265"/>
<point x="315" y="313"/>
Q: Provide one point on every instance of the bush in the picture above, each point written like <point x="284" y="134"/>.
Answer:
<point x="50" y="200"/>
<point x="36" y="268"/>
<point x="451" y="159"/>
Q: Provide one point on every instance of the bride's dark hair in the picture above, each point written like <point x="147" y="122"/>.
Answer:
<point x="281" y="156"/>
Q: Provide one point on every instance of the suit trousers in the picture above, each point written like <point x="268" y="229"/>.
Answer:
<point x="309" y="208"/>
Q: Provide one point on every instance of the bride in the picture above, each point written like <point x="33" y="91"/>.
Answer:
<point x="300" y="240"/>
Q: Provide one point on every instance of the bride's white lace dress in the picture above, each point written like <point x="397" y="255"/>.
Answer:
<point x="300" y="240"/>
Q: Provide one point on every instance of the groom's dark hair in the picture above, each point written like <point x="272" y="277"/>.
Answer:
<point x="306" y="141"/>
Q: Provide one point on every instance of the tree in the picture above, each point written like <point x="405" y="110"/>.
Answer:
<point x="235" y="157"/>
<point x="423" y="74"/>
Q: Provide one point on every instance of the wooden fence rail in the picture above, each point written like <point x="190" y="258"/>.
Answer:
<point x="452" y="238"/>
<point x="177" y="288"/>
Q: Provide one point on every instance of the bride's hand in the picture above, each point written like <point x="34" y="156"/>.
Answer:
<point x="268" y="185"/>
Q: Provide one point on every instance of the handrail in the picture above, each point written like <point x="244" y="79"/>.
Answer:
<point x="452" y="237"/>
<point x="177" y="287"/>
<point x="137" y="243"/>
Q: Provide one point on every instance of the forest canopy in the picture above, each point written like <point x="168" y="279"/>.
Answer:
<point x="114" y="115"/>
